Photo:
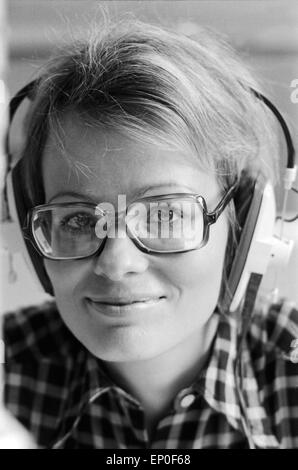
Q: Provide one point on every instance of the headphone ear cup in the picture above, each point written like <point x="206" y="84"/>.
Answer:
<point x="255" y="212"/>
<point x="19" y="205"/>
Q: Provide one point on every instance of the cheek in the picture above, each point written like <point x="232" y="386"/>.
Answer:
<point x="197" y="275"/>
<point x="65" y="277"/>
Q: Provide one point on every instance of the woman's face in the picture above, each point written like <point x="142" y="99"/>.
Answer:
<point x="180" y="290"/>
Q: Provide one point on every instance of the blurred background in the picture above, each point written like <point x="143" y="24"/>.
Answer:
<point x="264" y="32"/>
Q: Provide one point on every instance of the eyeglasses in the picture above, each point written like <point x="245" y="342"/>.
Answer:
<point x="168" y="223"/>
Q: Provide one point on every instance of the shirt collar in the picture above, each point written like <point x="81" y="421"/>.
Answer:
<point x="221" y="384"/>
<point x="217" y="382"/>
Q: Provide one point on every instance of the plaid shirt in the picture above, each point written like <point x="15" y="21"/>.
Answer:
<point x="61" y="393"/>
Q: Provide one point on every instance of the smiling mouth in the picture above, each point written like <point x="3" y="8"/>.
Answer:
<point x="123" y="303"/>
<point x="141" y="301"/>
<point x="124" y="307"/>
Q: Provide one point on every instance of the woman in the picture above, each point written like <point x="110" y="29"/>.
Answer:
<point x="138" y="350"/>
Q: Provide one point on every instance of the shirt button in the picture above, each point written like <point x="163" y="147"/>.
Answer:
<point x="187" y="400"/>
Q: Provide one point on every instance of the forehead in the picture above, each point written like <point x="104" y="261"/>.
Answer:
<point x="102" y="164"/>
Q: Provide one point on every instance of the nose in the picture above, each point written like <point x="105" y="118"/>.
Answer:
<point x="120" y="257"/>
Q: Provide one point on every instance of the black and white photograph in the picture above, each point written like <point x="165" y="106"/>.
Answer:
<point x="148" y="227"/>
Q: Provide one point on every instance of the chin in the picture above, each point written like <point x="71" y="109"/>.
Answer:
<point x="126" y="348"/>
<point x="118" y="355"/>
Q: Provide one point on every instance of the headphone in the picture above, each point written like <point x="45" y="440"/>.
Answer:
<point x="257" y="245"/>
<point x="254" y="204"/>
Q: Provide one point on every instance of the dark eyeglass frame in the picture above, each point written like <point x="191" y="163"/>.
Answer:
<point x="209" y="218"/>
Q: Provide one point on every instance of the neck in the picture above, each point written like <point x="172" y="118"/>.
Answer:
<point x="156" y="381"/>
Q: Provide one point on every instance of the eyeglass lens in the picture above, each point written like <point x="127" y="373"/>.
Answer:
<point x="161" y="225"/>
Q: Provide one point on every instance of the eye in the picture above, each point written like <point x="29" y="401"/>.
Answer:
<point x="80" y="222"/>
<point x="165" y="213"/>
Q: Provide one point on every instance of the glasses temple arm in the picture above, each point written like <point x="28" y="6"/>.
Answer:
<point x="213" y="216"/>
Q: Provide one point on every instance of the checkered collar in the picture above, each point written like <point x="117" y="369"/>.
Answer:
<point x="218" y="384"/>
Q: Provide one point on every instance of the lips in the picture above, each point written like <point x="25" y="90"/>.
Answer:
<point x="129" y="300"/>
<point x="126" y="309"/>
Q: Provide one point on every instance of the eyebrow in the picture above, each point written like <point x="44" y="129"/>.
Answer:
<point x="136" y="195"/>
